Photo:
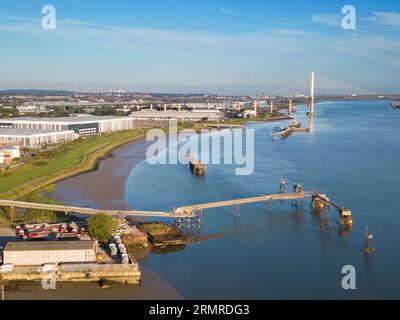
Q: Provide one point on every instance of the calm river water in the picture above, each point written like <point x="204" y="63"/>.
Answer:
<point x="352" y="155"/>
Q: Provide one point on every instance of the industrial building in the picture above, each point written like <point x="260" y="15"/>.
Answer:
<point x="206" y="105"/>
<point x="177" y="115"/>
<point x="83" y="125"/>
<point x="46" y="252"/>
<point x="34" y="138"/>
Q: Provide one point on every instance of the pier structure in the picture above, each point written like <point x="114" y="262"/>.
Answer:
<point x="297" y="203"/>
<point x="294" y="127"/>
<point x="297" y="197"/>
<point x="238" y="202"/>
<point x="192" y="214"/>
<point x="78" y="272"/>
<point x="321" y="202"/>
<point x="13" y="205"/>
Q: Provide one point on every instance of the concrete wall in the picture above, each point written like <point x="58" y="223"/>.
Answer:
<point x="129" y="273"/>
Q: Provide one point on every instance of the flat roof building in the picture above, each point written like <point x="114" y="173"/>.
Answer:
<point x="83" y="125"/>
<point x="205" y="105"/>
<point x="177" y="115"/>
<point x="35" y="138"/>
<point x="40" y="253"/>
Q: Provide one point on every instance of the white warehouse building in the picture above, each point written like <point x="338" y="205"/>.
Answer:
<point x="35" y="138"/>
<point x="40" y="253"/>
<point x="83" y="125"/>
<point x="177" y="115"/>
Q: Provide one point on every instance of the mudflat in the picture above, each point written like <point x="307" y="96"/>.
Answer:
<point x="104" y="188"/>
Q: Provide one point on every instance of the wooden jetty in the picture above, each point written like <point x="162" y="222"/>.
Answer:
<point x="236" y="202"/>
<point x="345" y="215"/>
<point x="319" y="201"/>
<point x="87" y="211"/>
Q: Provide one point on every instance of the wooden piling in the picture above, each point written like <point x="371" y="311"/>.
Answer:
<point x="12" y="215"/>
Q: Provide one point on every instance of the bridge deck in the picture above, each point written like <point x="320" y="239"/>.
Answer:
<point x="227" y="203"/>
<point x="183" y="211"/>
<point x="89" y="211"/>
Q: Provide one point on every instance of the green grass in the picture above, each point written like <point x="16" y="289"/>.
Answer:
<point x="35" y="216"/>
<point x="73" y="158"/>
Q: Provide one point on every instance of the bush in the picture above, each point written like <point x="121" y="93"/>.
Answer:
<point x="102" y="226"/>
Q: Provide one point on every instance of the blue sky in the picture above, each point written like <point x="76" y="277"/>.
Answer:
<point x="232" y="47"/>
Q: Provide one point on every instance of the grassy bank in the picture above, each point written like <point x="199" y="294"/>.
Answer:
<point x="68" y="160"/>
<point x="35" y="216"/>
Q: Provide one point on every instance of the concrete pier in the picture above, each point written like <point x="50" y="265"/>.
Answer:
<point x="92" y="272"/>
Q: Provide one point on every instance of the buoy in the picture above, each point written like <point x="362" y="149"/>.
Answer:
<point x="369" y="242"/>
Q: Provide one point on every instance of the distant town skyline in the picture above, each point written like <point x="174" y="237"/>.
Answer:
<point x="214" y="47"/>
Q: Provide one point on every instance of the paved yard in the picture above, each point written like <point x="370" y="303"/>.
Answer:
<point x="6" y="235"/>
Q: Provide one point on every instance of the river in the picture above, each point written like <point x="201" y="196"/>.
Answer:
<point x="352" y="155"/>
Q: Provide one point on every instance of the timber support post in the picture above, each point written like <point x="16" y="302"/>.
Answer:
<point x="237" y="210"/>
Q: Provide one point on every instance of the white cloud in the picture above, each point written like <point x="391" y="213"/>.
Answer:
<point x="228" y="11"/>
<point x="391" y="19"/>
<point x="14" y="18"/>
<point x="251" y="44"/>
<point x="247" y="58"/>
<point x="327" y="19"/>
<point x="285" y="32"/>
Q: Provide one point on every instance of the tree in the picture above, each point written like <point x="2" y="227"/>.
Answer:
<point x="102" y="226"/>
<point x="15" y="112"/>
